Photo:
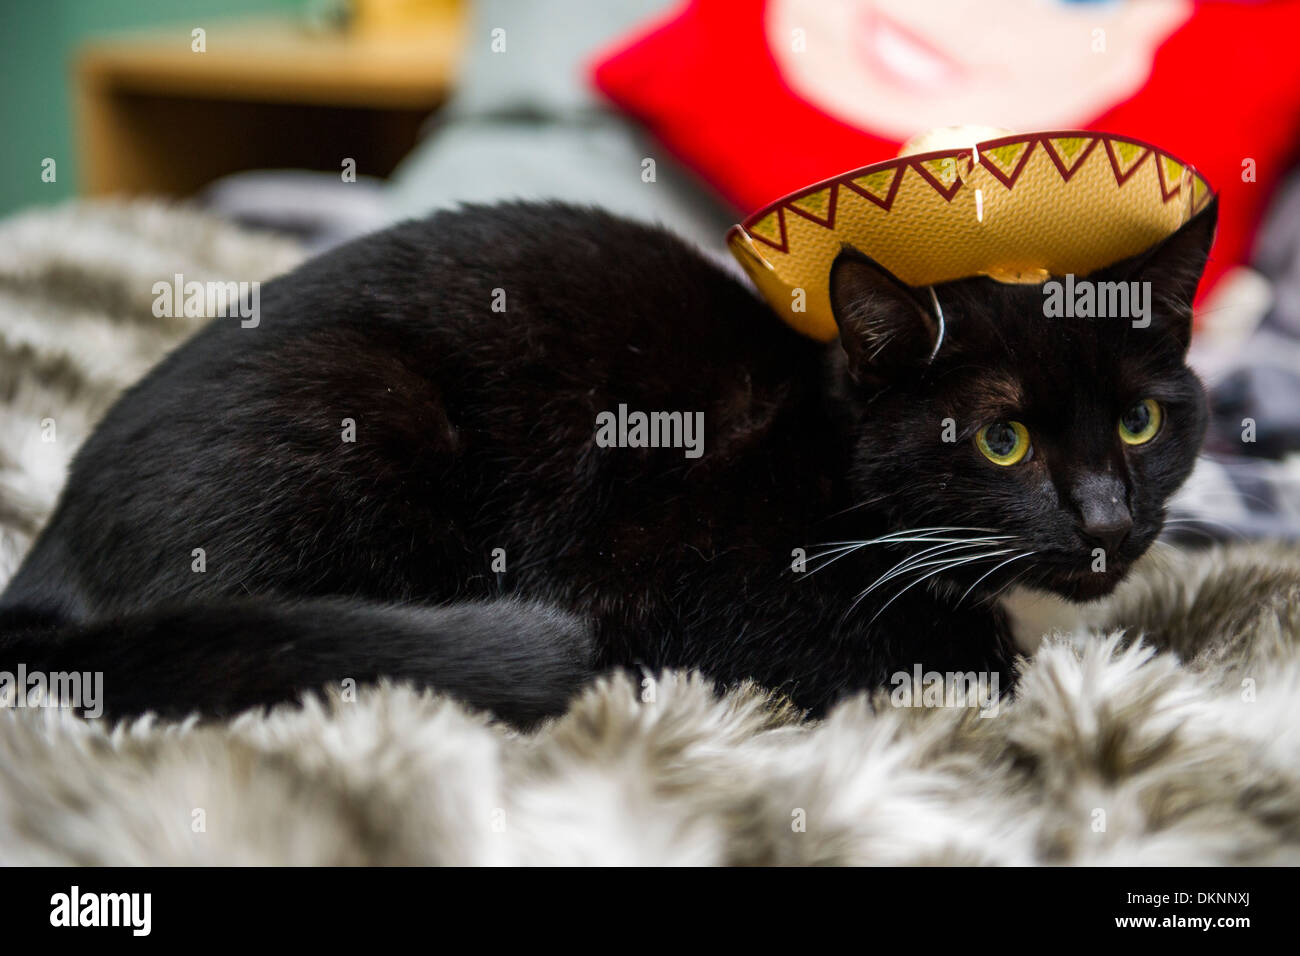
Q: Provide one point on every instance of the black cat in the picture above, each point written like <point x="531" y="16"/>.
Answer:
<point x="854" y="509"/>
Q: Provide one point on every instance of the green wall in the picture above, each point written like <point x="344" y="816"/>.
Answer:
<point x="38" y="39"/>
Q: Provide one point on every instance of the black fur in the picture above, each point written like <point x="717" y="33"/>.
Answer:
<point x="474" y="431"/>
<point x="520" y="661"/>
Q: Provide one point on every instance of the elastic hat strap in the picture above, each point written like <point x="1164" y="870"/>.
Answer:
<point x="938" y="314"/>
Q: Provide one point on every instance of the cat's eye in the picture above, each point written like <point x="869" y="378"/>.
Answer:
<point x="1003" y="443"/>
<point x="1139" y="424"/>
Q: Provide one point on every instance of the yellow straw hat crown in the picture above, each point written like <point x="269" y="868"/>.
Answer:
<point x="1015" y="208"/>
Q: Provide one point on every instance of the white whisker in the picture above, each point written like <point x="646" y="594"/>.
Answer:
<point x="969" y="559"/>
<point x="912" y="563"/>
<point x="1008" y="586"/>
<point x="1191" y="522"/>
<point x="910" y="536"/>
<point x="1023" y="554"/>
<point x="943" y="564"/>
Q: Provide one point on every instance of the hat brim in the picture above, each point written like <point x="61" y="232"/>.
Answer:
<point x="1017" y="209"/>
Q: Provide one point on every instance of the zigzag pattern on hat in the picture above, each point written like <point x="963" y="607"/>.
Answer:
<point x="947" y="172"/>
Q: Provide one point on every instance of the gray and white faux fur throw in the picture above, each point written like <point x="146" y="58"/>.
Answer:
<point x="1163" y="729"/>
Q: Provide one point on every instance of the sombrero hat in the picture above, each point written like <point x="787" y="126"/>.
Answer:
<point x="1016" y="208"/>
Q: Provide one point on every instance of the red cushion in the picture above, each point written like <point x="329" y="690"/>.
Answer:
<point x="1224" y="87"/>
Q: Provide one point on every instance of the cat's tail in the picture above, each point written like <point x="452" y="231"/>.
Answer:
<point x="521" y="661"/>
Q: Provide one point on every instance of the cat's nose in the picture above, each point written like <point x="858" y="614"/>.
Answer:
<point x="1104" y="517"/>
<point x="1108" y="533"/>
<point x="1105" y="521"/>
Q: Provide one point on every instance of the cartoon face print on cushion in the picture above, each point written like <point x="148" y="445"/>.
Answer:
<point x="897" y="66"/>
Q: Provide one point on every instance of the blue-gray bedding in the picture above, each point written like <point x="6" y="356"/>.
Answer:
<point x="1248" y="484"/>
<point x="526" y="125"/>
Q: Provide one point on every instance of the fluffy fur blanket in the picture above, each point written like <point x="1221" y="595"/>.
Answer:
<point x="1180" y="746"/>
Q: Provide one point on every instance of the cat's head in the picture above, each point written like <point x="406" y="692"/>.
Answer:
<point x="1061" y="438"/>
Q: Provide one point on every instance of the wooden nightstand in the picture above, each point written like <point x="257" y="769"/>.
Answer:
<point x="155" y="117"/>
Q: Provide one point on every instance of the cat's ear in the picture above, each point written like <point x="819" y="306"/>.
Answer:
<point x="884" y="329"/>
<point x="1174" y="270"/>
